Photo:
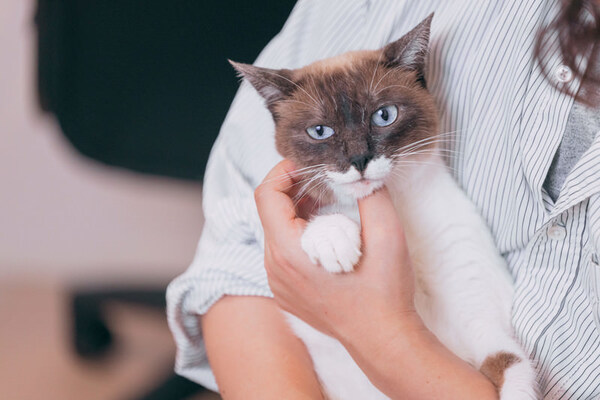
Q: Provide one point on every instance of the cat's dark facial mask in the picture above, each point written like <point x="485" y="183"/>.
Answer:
<point x="349" y="120"/>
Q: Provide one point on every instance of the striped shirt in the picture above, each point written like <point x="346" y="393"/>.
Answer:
<point x="508" y="122"/>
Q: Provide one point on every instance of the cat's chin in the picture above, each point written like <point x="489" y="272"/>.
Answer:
<point x="348" y="192"/>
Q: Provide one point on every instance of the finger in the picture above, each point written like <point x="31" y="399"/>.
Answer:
<point x="281" y="177"/>
<point x="379" y="219"/>
<point x="275" y="206"/>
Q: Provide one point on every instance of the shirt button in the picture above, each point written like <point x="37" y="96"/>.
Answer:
<point x="563" y="74"/>
<point x="557" y="232"/>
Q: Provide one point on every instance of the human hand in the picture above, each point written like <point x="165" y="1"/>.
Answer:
<point x="380" y="291"/>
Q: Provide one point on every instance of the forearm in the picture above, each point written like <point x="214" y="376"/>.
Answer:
<point x="405" y="360"/>
<point x="254" y="354"/>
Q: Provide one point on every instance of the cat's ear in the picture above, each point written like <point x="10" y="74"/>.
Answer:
<point x="410" y="50"/>
<point x="272" y="84"/>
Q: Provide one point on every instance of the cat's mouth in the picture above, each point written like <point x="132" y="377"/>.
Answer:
<point x="363" y="182"/>
<point x="361" y="187"/>
<point x="354" y="184"/>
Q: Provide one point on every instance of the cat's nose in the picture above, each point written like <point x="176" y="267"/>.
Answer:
<point x="360" y="161"/>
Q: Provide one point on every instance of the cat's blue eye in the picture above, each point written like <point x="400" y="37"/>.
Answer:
<point x="320" y="132"/>
<point x="385" y="115"/>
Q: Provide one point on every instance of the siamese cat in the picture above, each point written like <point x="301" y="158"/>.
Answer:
<point x="352" y="124"/>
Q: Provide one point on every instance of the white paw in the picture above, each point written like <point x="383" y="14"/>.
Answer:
<point x="332" y="241"/>
<point x="519" y="382"/>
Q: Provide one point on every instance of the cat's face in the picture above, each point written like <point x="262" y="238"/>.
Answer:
<point x="349" y="122"/>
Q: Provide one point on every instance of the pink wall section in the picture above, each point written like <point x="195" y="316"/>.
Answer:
<point x="63" y="217"/>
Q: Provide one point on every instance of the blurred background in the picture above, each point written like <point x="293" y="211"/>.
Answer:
<point x="108" y="110"/>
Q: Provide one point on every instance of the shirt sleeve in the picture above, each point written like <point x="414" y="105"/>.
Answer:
<point x="229" y="257"/>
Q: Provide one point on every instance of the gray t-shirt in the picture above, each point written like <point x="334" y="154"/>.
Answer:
<point x="582" y="127"/>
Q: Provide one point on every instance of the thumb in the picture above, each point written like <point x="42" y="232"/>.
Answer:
<point x="380" y="223"/>
<point x="273" y="197"/>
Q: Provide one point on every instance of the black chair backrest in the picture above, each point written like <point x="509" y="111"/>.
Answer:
<point x="145" y="84"/>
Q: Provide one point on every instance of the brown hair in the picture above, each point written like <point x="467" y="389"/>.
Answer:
<point x="577" y="28"/>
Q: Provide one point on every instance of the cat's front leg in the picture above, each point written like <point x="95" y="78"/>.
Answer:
<point x="333" y="241"/>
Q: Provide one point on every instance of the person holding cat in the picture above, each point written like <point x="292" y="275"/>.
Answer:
<point x="525" y="151"/>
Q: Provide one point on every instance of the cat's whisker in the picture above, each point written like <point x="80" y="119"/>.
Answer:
<point x="295" y="84"/>
<point x="306" y="189"/>
<point x="426" y="147"/>
<point x="319" y="172"/>
<point x="322" y="192"/>
<point x="414" y="162"/>
<point x="314" y="85"/>
<point x="301" y="102"/>
<point x="317" y="188"/>
<point x="388" y="87"/>
<point x="300" y="171"/>
<point x="375" y="71"/>
<point x="301" y="182"/>
<point x="400" y="174"/>
<point x="301" y="193"/>
<point x="309" y="168"/>
<point x="428" y="151"/>
<point x="384" y="75"/>
<point x="440" y="138"/>
<point x="440" y="151"/>
<point x="434" y="137"/>
<point x="429" y="145"/>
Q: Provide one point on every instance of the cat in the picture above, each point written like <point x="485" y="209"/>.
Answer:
<point x="351" y="124"/>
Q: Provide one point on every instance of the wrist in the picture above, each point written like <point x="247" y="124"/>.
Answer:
<point x="400" y="356"/>
<point x="373" y="335"/>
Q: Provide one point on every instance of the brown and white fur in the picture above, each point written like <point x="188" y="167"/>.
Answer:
<point x="463" y="290"/>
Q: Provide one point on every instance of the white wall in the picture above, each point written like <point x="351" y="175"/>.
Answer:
<point x="66" y="218"/>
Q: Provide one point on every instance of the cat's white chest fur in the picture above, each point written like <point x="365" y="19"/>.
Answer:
<point x="463" y="290"/>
